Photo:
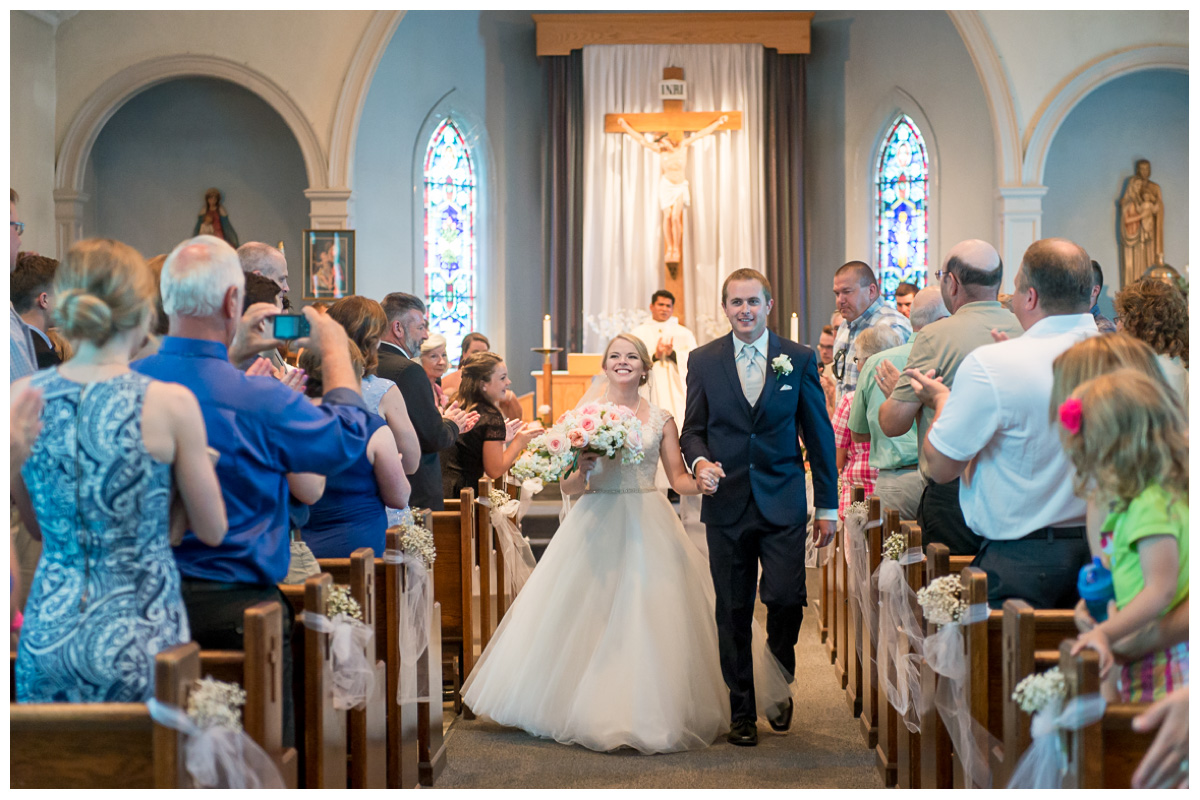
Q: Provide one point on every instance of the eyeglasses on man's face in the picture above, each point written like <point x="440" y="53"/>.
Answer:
<point x="20" y="226"/>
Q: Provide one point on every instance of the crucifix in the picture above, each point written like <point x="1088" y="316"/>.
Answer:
<point x="673" y="193"/>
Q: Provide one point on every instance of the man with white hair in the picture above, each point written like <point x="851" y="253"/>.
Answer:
<point x="899" y="483"/>
<point x="260" y="429"/>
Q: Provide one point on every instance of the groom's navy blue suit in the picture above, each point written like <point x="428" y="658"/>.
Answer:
<point x="760" y="508"/>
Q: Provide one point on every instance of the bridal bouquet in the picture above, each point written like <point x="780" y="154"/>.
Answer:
<point x="602" y="428"/>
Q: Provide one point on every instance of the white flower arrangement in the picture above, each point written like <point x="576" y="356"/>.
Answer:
<point x="858" y="509"/>
<point x="1036" y="692"/>
<point x="340" y="602"/>
<point x="942" y="600"/>
<point x="498" y="498"/>
<point x="416" y="539"/>
<point x="782" y="365"/>
<point x="213" y="703"/>
<point x="606" y="326"/>
<point x="894" y="547"/>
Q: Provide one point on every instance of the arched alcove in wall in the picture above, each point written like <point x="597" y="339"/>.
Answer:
<point x="156" y="156"/>
<point x="1139" y="115"/>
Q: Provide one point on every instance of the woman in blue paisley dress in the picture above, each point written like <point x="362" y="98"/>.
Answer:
<point x="97" y="489"/>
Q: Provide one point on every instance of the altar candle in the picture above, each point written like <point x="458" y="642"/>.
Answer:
<point x="546" y="332"/>
<point x="795" y="327"/>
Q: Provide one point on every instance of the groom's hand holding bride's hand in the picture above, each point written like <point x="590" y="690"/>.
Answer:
<point x="708" y="476"/>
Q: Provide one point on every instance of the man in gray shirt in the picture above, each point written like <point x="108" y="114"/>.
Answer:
<point x="970" y="281"/>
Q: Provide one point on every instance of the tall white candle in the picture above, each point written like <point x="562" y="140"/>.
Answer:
<point x="546" y="332"/>
<point x="795" y="327"/>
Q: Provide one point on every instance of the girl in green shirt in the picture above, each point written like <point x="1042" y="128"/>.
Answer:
<point x="1128" y="439"/>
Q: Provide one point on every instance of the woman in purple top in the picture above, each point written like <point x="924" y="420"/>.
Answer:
<point x="352" y="512"/>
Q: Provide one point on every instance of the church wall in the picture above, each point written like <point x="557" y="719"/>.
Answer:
<point x="1041" y="50"/>
<point x="488" y="59"/>
<point x="857" y="60"/>
<point x="1143" y="115"/>
<point x="31" y="118"/>
<point x="156" y="157"/>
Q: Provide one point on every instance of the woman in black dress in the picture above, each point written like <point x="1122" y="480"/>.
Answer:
<point x="486" y="448"/>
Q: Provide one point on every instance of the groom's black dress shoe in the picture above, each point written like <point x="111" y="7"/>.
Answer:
<point x="743" y="734"/>
<point x="783" y="720"/>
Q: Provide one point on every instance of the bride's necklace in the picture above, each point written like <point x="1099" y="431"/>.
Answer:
<point x="635" y="410"/>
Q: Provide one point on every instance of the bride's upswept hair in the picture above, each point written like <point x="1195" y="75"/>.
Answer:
<point x="640" y="347"/>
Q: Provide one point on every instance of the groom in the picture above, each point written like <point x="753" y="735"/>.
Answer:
<point x="750" y="396"/>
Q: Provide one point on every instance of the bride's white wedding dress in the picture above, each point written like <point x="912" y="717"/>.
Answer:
<point x="612" y="641"/>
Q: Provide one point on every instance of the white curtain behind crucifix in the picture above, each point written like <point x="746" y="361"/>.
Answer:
<point x="622" y="221"/>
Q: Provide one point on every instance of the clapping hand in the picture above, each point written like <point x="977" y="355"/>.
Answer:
<point x="1165" y="765"/>
<point x="295" y="379"/>
<point x="887" y="376"/>
<point x="511" y="426"/>
<point x="665" y="348"/>
<point x="999" y="335"/>
<point x="526" y="434"/>
<point x="463" y="419"/>
<point x="929" y="389"/>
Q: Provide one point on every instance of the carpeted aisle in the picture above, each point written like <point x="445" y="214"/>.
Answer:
<point x="823" y="749"/>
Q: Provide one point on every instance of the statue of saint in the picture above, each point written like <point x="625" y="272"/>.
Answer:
<point x="673" y="192"/>
<point x="214" y="221"/>
<point x="1141" y="224"/>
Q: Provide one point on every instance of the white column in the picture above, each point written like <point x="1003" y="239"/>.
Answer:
<point x="68" y="219"/>
<point x="329" y="209"/>
<point x="1020" y="226"/>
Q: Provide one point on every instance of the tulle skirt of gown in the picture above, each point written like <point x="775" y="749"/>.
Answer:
<point x="612" y="641"/>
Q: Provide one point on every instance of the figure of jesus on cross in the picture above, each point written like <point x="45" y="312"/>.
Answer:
<point x="673" y="193"/>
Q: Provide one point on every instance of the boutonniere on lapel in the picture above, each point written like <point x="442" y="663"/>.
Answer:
<point x="782" y="365"/>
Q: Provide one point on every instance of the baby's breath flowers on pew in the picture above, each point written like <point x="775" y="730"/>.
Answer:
<point x="1040" y="690"/>
<point x="340" y="602"/>
<point x="416" y="539"/>
<point x="942" y="600"/>
<point x="894" y="547"/>
<point x="216" y="703"/>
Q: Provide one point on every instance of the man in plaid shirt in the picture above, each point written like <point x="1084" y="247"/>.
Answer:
<point x="856" y="292"/>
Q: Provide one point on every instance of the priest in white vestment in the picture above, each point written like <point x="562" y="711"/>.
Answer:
<point x="669" y="344"/>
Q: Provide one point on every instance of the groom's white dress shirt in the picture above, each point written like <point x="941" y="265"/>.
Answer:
<point x="751" y="360"/>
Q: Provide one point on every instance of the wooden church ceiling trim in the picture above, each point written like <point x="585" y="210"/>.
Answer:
<point x="786" y="31"/>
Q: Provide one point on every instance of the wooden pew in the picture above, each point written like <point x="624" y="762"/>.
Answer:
<point x="364" y="574"/>
<point x="324" y="753"/>
<point x="403" y="728"/>
<point x="934" y="753"/>
<point x="1022" y="630"/>
<point x="452" y="623"/>
<point x="985" y="685"/>
<point x="853" y="627"/>
<point x="877" y="711"/>
<point x="484" y="548"/>
<point x="1106" y="754"/>
<point x="908" y="744"/>
<point x="258" y="669"/>
<point x="105" y="745"/>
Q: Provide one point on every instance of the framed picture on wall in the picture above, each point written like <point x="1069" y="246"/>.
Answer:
<point x="328" y="264"/>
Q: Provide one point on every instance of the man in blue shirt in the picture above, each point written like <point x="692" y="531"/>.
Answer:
<point x="261" y="429"/>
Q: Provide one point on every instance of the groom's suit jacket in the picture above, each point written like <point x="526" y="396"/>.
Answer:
<point x="758" y="445"/>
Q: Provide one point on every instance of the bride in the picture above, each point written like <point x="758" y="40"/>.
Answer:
<point x="612" y="642"/>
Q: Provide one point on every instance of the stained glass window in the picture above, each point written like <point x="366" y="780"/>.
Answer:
<point x="901" y="207"/>
<point x="450" y="248"/>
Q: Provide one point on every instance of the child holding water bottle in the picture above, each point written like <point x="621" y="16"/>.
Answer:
<point x="1127" y="436"/>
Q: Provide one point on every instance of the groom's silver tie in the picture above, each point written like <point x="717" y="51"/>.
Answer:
<point x="751" y="374"/>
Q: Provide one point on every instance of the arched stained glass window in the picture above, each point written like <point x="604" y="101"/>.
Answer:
<point x="901" y="207"/>
<point x="451" y="203"/>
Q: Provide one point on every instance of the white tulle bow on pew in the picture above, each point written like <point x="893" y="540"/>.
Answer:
<point x="901" y="643"/>
<point x="416" y="614"/>
<point x="218" y="757"/>
<point x="858" y="565"/>
<point x="506" y="520"/>
<point x="945" y="654"/>
<point x="353" y="674"/>
<point x="1044" y="764"/>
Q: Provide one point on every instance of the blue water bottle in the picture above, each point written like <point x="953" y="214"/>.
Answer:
<point x="1096" y="588"/>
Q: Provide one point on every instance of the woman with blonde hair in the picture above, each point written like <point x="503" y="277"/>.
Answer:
<point x="114" y="449"/>
<point x="484" y="449"/>
<point x="365" y="323"/>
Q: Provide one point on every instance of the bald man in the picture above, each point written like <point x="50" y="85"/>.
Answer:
<point x="1020" y="494"/>
<point x="969" y="281"/>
